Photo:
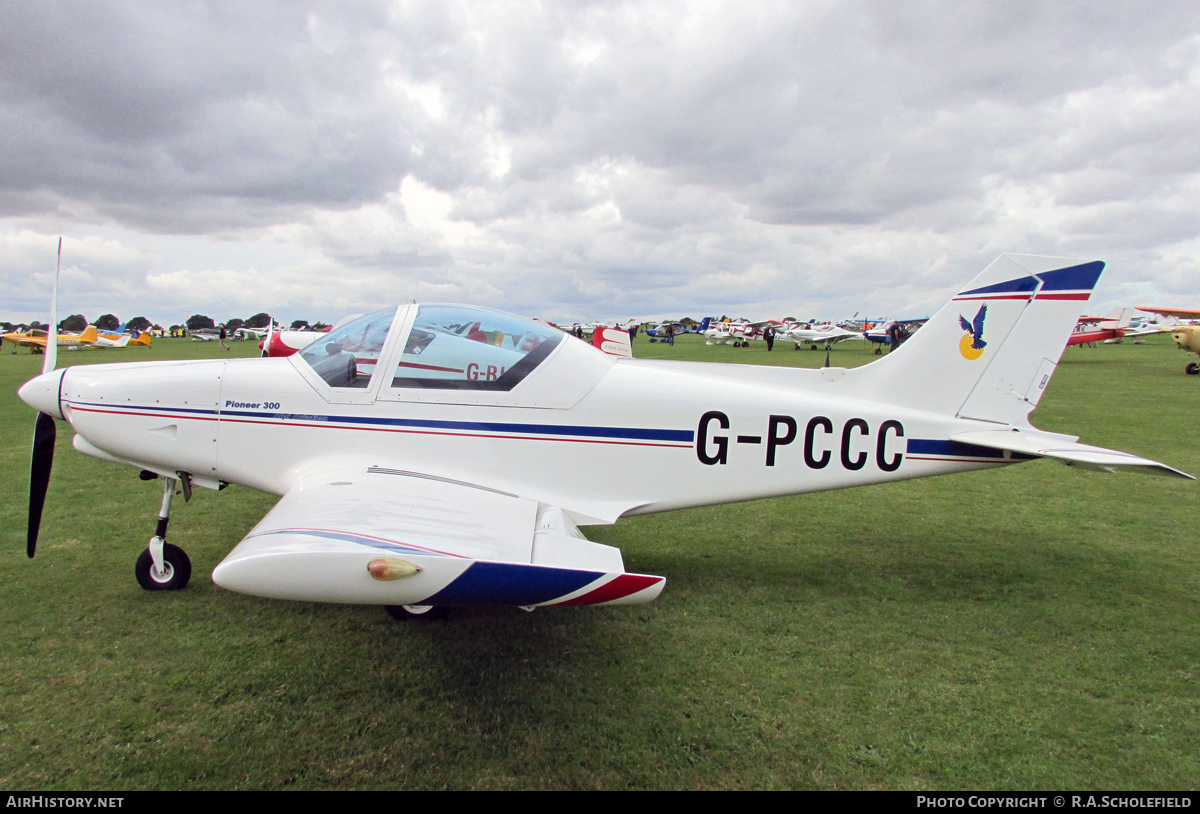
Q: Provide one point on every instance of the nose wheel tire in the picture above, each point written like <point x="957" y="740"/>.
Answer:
<point x="1193" y="369"/>
<point x="405" y="612"/>
<point x="177" y="570"/>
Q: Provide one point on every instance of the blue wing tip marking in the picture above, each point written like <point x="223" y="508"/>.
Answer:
<point x="495" y="583"/>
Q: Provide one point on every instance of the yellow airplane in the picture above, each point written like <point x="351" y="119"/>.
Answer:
<point x="1187" y="337"/>
<point x="38" y="343"/>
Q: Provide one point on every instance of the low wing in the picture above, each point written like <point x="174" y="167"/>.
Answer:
<point x="1070" y="453"/>
<point x="434" y="541"/>
<point x="106" y="342"/>
<point x="814" y="335"/>
<point x="1157" y="329"/>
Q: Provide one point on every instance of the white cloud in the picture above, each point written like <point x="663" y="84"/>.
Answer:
<point x="592" y="159"/>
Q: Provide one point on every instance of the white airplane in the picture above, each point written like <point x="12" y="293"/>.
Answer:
<point x="422" y="468"/>
<point x="823" y="335"/>
<point x="109" y="340"/>
<point x="244" y="333"/>
<point x="737" y="334"/>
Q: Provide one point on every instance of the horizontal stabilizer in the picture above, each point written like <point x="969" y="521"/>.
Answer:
<point x="1072" y="454"/>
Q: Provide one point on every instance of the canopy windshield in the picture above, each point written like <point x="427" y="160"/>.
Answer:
<point x="347" y="356"/>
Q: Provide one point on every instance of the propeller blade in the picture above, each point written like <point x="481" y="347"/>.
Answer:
<point x="44" y="434"/>
<point x="51" y="357"/>
<point x="44" y="431"/>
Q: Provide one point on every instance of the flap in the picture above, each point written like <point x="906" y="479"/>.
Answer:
<point x="1072" y="454"/>
<point x="441" y="541"/>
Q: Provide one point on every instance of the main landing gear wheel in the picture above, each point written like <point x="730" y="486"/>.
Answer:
<point x="425" y="612"/>
<point x="1193" y="369"/>
<point x="177" y="570"/>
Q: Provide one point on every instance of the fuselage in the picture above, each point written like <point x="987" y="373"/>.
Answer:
<point x="583" y="432"/>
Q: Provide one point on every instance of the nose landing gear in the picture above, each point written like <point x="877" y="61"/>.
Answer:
<point x="162" y="566"/>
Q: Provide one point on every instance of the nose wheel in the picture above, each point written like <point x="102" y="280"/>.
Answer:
<point x="162" y="566"/>
<point x="173" y="576"/>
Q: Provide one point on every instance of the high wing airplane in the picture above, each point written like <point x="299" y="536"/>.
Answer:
<point x="659" y="331"/>
<point x="1187" y="337"/>
<point x="420" y="468"/>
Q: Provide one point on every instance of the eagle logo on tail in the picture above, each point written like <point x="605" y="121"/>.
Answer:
<point x="972" y="343"/>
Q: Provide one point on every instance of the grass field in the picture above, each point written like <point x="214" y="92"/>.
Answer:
<point x="1034" y="627"/>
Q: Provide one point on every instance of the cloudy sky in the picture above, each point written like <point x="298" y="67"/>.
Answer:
<point x="589" y="159"/>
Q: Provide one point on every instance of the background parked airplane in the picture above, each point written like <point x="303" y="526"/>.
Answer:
<point x="880" y="336"/>
<point x="1114" y="328"/>
<point x="824" y="335"/>
<point x="658" y="332"/>
<point x="1187" y="337"/>
<point x="37" y="342"/>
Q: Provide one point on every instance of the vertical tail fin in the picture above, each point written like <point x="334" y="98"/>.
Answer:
<point x="988" y="353"/>
<point x="613" y="341"/>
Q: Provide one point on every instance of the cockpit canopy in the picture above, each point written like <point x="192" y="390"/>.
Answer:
<point x="458" y="347"/>
<point x="448" y="347"/>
